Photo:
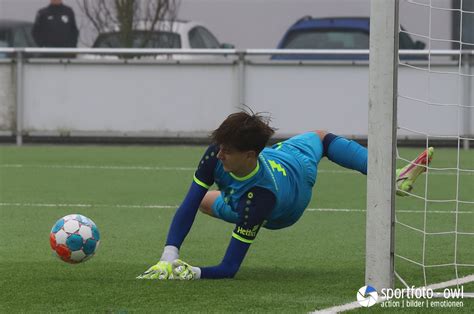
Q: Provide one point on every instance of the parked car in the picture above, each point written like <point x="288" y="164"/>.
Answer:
<point x="176" y="34"/>
<point x="335" y="33"/>
<point x="15" y="34"/>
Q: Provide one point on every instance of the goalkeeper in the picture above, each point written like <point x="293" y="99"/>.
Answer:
<point x="258" y="187"/>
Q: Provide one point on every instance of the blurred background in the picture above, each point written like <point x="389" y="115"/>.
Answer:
<point x="136" y="94"/>
<point x="259" y="23"/>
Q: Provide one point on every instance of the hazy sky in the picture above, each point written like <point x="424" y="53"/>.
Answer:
<point x="255" y="23"/>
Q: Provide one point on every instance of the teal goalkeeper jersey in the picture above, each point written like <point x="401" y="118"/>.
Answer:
<point x="280" y="171"/>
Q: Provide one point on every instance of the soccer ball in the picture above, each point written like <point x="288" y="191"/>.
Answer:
<point x="74" y="238"/>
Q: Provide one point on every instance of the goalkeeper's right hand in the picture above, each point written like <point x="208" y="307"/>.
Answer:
<point x="184" y="271"/>
<point x="161" y="271"/>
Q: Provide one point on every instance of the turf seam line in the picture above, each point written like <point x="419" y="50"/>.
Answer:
<point x="102" y="167"/>
<point x="17" y="204"/>
<point x="144" y="168"/>
<point x="166" y="168"/>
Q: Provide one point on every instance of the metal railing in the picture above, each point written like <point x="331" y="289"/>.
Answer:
<point x="217" y="52"/>
<point x="158" y="51"/>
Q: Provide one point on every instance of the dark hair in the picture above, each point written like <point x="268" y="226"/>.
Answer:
<point x="244" y="131"/>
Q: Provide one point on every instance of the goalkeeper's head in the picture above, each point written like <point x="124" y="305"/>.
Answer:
<point x="241" y="137"/>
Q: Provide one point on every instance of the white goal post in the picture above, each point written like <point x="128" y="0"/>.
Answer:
<point x="383" y="76"/>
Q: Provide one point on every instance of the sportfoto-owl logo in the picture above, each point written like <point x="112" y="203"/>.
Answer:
<point x="367" y="296"/>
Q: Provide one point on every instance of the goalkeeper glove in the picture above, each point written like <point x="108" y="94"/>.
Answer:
<point x="161" y="271"/>
<point x="184" y="271"/>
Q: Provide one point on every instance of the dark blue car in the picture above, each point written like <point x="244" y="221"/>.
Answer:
<point x="334" y="33"/>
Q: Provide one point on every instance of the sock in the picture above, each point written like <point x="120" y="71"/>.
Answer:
<point x="197" y="270"/>
<point x="170" y="253"/>
<point x="346" y="153"/>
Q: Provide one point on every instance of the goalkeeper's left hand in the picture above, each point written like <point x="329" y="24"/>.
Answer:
<point x="184" y="271"/>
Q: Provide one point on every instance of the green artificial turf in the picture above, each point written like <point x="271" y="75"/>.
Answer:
<point x="131" y="192"/>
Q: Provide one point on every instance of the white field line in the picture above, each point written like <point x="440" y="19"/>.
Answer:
<point x="85" y="205"/>
<point x="97" y="167"/>
<point x="80" y="205"/>
<point x="164" y="168"/>
<point x="436" y="286"/>
<point x="453" y="282"/>
<point x="339" y="308"/>
<point x="398" y="211"/>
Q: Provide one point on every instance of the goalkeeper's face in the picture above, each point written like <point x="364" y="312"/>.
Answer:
<point x="235" y="161"/>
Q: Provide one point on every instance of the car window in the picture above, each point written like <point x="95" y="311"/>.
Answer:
<point x="405" y="41"/>
<point x="3" y="43"/>
<point x="195" y="39"/>
<point x="327" y="39"/>
<point x="210" y="40"/>
<point x="4" y="38"/>
<point x="22" y="37"/>
<point x="201" y="38"/>
<point x="140" y="39"/>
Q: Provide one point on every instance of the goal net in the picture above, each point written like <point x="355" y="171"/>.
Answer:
<point x="434" y="226"/>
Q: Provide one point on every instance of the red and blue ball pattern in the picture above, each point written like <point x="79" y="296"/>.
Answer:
<point x="74" y="238"/>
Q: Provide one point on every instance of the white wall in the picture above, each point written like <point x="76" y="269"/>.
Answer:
<point x="161" y="99"/>
<point x="190" y="99"/>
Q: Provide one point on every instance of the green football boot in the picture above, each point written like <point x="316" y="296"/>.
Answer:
<point x="407" y="175"/>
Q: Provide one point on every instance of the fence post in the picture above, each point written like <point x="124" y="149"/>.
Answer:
<point x="241" y="79"/>
<point x="19" y="96"/>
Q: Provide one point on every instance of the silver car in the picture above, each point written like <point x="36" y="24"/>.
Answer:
<point x="176" y="34"/>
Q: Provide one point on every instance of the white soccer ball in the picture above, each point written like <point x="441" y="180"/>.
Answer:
<point x="74" y="238"/>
